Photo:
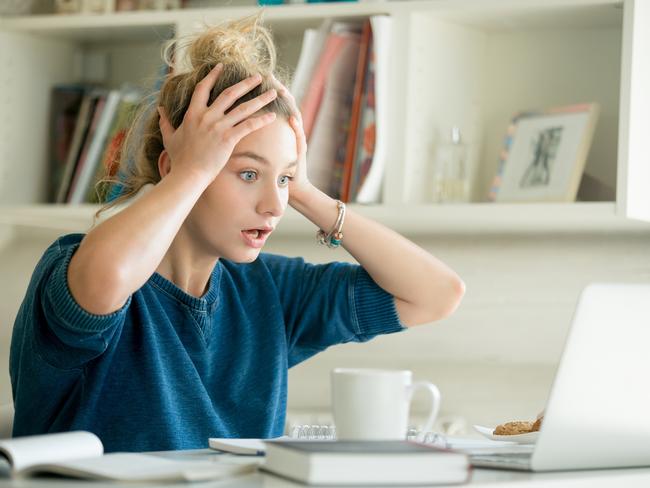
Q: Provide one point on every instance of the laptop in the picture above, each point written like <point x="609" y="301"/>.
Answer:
<point x="598" y="412"/>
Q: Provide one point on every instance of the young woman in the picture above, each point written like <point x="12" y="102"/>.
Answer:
<point x="164" y="325"/>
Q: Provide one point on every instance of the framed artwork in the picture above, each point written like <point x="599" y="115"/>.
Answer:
<point x="544" y="155"/>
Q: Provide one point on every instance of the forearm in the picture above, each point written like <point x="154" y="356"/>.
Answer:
<point x="118" y="256"/>
<point x="425" y="288"/>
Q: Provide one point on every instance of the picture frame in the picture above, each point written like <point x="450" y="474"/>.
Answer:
<point x="544" y="154"/>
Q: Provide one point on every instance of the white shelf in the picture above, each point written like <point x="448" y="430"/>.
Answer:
<point x="133" y="25"/>
<point x="522" y="14"/>
<point x="411" y="220"/>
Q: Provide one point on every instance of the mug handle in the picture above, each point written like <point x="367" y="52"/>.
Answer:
<point x="435" y="404"/>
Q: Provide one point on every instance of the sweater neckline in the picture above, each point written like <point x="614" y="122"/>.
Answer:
<point x="203" y="303"/>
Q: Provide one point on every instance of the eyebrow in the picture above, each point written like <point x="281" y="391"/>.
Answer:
<point x="257" y="157"/>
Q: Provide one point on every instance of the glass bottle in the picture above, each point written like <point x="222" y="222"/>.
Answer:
<point x="450" y="181"/>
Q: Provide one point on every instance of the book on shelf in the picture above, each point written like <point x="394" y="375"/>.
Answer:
<point x="65" y="103"/>
<point x="389" y="463"/>
<point x="90" y="135"/>
<point x="81" y="455"/>
<point x="329" y="130"/>
<point x="98" y="131"/>
<point x="375" y="133"/>
<point x="350" y="148"/>
<point x="311" y="100"/>
<point x="109" y="160"/>
<point x="340" y="82"/>
<point x="79" y="136"/>
<point x="313" y="42"/>
<point x="90" y="156"/>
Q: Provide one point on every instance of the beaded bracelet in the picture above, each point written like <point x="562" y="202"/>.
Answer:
<point x="335" y="236"/>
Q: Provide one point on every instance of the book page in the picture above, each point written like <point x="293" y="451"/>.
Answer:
<point x="144" y="467"/>
<point x="254" y="447"/>
<point x="23" y="452"/>
<point x="250" y="447"/>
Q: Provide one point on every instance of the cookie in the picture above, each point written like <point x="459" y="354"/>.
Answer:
<point x="537" y="424"/>
<point x="513" y="428"/>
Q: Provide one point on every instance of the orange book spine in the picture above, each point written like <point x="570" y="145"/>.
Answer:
<point x="356" y="112"/>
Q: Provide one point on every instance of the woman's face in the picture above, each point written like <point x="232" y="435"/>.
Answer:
<point x="241" y="207"/>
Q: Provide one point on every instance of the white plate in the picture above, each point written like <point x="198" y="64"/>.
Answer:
<point x="528" y="438"/>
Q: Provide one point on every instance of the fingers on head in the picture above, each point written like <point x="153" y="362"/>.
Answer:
<point x="204" y="87"/>
<point x="251" y="124"/>
<point x="234" y="92"/>
<point x="250" y="107"/>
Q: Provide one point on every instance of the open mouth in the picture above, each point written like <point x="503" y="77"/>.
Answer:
<point x="256" y="237"/>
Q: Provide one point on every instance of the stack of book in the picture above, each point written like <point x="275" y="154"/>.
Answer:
<point x="87" y="128"/>
<point x="339" y="84"/>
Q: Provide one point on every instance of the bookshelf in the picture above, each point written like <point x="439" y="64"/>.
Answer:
<point x="469" y="63"/>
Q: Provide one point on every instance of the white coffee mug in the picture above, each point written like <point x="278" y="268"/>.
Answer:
<point x="373" y="404"/>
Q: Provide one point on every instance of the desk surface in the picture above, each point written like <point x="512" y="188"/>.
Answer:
<point x="489" y="478"/>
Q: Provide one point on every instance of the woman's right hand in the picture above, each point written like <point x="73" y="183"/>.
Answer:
<point x="207" y="136"/>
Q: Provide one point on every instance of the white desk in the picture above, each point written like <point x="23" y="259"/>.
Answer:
<point x="490" y="478"/>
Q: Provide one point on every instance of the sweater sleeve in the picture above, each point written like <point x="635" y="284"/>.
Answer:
<point x="329" y="304"/>
<point x="63" y="333"/>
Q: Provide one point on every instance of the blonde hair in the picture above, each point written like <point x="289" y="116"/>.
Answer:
<point x="245" y="47"/>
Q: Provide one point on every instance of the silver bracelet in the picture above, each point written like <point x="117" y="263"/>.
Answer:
<point x="334" y="238"/>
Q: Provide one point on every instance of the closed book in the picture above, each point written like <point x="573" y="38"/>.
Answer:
<point x="365" y="463"/>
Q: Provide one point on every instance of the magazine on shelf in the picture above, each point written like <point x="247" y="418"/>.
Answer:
<point x="80" y="454"/>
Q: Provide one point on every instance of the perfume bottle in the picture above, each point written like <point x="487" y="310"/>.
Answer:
<point x="450" y="181"/>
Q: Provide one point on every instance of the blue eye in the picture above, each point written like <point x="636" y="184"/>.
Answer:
<point x="248" y="175"/>
<point x="284" y="180"/>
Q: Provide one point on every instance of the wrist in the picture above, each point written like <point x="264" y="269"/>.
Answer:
<point x="304" y="197"/>
<point x="190" y="179"/>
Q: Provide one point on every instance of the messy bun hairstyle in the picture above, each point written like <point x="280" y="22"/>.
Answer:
<point x="245" y="47"/>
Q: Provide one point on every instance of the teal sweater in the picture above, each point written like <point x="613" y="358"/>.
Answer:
<point x="169" y="370"/>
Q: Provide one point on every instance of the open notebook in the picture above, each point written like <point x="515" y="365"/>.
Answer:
<point x="81" y="455"/>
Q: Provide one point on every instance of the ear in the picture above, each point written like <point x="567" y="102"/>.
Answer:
<point x="164" y="164"/>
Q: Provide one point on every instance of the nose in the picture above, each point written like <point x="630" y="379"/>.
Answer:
<point x="273" y="201"/>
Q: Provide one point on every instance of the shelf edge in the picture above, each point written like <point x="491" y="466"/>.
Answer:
<point x="411" y="220"/>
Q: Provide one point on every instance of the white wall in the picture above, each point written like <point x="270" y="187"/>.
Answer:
<point x="493" y="360"/>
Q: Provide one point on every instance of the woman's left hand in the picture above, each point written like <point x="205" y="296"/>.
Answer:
<point x="300" y="182"/>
